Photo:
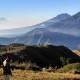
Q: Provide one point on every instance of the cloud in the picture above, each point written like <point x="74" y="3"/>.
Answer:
<point x="20" y="23"/>
<point x="43" y="25"/>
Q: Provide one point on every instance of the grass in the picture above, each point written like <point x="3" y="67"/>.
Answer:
<point x="30" y="75"/>
<point x="77" y="52"/>
<point x="71" y="68"/>
<point x="13" y="49"/>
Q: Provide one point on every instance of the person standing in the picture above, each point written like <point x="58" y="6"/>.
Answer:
<point x="6" y="69"/>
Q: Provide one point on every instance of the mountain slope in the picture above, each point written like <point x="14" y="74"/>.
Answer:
<point x="44" y="36"/>
<point x="70" y="25"/>
<point x="54" y="20"/>
<point x="5" y="41"/>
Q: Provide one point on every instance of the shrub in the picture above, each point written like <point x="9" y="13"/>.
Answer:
<point x="70" y="68"/>
<point x="65" y="61"/>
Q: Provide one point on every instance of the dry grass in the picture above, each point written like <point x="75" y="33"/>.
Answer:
<point x="12" y="49"/>
<point x="77" y="52"/>
<point x="30" y="75"/>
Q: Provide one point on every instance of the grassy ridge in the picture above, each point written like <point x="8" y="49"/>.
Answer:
<point x="48" y="55"/>
<point x="70" y="68"/>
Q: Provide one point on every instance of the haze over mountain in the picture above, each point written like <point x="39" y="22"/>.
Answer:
<point x="70" y="25"/>
<point x="65" y="31"/>
<point x="7" y="32"/>
<point x="44" y="36"/>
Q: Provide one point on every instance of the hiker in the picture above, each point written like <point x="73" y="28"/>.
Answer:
<point x="6" y="69"/>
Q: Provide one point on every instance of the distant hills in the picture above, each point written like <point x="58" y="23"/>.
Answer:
<point x="60" y="30"/>
<point x="44" y="36"/>
<point x="9" y="32"/>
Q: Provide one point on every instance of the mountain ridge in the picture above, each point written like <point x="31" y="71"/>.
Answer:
<point x="67" y="26"/>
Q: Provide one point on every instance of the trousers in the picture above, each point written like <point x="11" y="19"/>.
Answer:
<point x="6" y="77"/>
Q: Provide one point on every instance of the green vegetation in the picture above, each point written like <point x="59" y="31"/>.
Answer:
<point x="77" y="52"/>
<point x="70" y="68"/>
<point x="65" y="61"/>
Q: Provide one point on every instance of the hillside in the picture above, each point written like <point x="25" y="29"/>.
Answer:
<point x="44" y="36"/>
<point x="41" y="55"/>
<point x="77" y="52"/>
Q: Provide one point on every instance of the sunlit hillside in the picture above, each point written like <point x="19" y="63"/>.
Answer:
<point x="77" y="52"/>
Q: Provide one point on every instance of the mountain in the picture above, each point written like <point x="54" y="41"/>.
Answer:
<point x="70" y="25"/>
<point x="61" y="17"/>
<point x="11" y="36"/>
<point x="54" y="20"/>
<point x="7" y="32"/>
<point x="44" y="36"/>
<point x="3" y="19"/>
<point x="5" y="41"/>
<point x="64" y="32"/>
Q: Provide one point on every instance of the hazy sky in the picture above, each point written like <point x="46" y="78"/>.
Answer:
<point x="21" y="13"/>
